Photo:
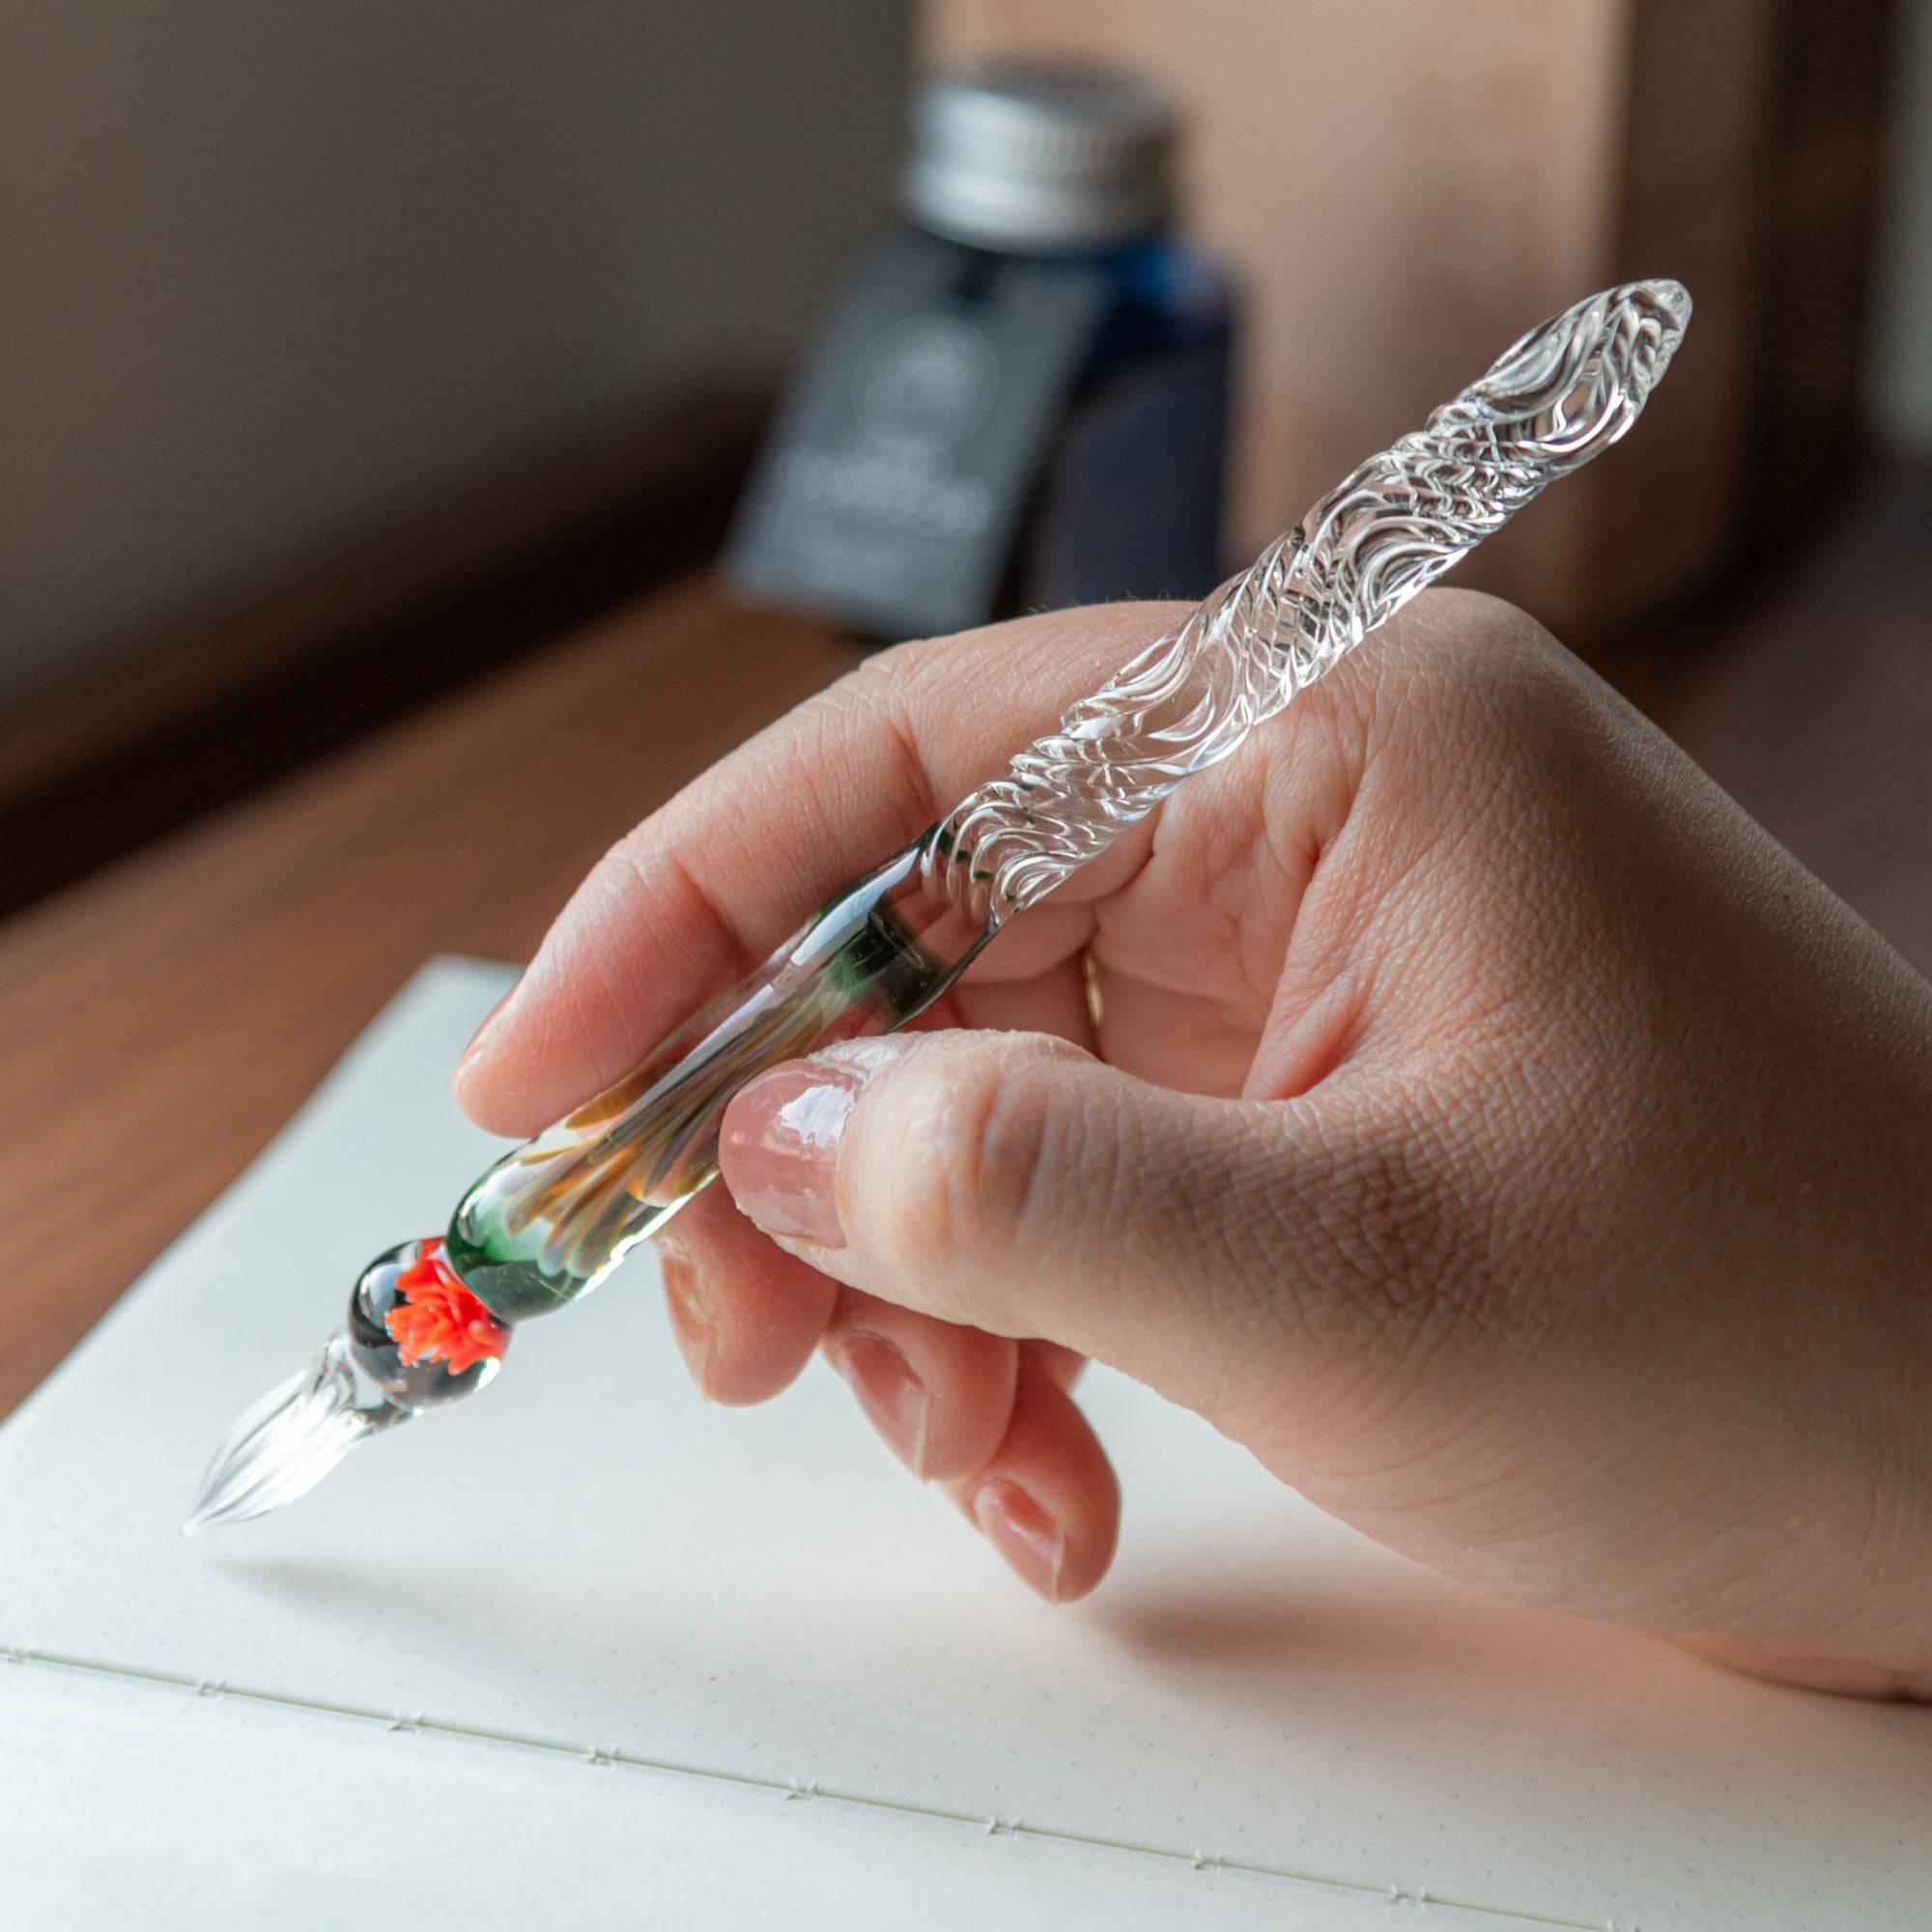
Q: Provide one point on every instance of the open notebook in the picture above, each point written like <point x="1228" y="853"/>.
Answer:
<point x="585" y="1652"/>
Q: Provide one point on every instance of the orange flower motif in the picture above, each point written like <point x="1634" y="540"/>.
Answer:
<point x="438" y="1320"/>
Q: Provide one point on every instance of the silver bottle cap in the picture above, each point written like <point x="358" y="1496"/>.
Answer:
<point x="1040" y="157"/>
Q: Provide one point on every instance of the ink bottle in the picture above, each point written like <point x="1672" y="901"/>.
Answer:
<point x="1020" y="402"/>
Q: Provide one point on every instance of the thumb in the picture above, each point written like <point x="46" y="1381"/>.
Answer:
<point x="1012" y="1182"/>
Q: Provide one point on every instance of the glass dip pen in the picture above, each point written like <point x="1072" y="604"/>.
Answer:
<point x="429" y="1321"/>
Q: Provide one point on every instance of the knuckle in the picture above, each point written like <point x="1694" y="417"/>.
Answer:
<point x="970" y="1139"/>
<point x="1465" y="652"/>
<point x="631" y="854"/>
<point x="1484" y="635"/>
<point x="880" y="699"/>
<point x="892" y="687"/>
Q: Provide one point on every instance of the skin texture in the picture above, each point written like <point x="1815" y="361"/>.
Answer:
<point x="1485" y="1122"/>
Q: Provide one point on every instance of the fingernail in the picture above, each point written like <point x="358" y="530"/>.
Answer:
<point x="691" y="1319"/>
<point x="490" y="1020"/>
<point x="898" y="1403"/>
<point x="781" y="1149"/>
<point x="1032" y="1543"/>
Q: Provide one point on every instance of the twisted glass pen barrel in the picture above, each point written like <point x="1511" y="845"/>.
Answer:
<point x="429" y="1320"/>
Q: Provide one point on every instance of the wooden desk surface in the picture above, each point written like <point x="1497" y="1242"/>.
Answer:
<point x="158" y="1023"/>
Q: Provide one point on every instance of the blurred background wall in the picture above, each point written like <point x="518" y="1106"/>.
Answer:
<point x="289" y="293"/>
<point x="277" y="276"/>
<point x="1901" y="379"/>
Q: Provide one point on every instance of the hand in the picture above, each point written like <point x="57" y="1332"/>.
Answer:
<point x="1476" y="1115"/>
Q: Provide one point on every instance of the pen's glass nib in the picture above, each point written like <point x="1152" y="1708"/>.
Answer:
<point x="416" y="1338"/>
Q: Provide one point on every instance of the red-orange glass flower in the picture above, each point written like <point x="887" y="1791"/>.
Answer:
<point x="435" y="1318"/>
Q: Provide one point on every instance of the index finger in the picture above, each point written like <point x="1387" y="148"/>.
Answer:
<point x="701" y="891"/>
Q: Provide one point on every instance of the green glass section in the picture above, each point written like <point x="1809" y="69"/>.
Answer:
<point x="550" y="1219"/>
<point x="516" y="1286"/>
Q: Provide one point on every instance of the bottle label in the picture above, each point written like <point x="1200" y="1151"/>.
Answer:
<point x="891" y="492"/>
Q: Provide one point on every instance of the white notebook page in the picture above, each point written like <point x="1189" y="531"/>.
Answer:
<point x="585" y="1651"/>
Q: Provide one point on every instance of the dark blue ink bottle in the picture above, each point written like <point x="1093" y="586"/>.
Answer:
<point x="1021" y="400"/>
